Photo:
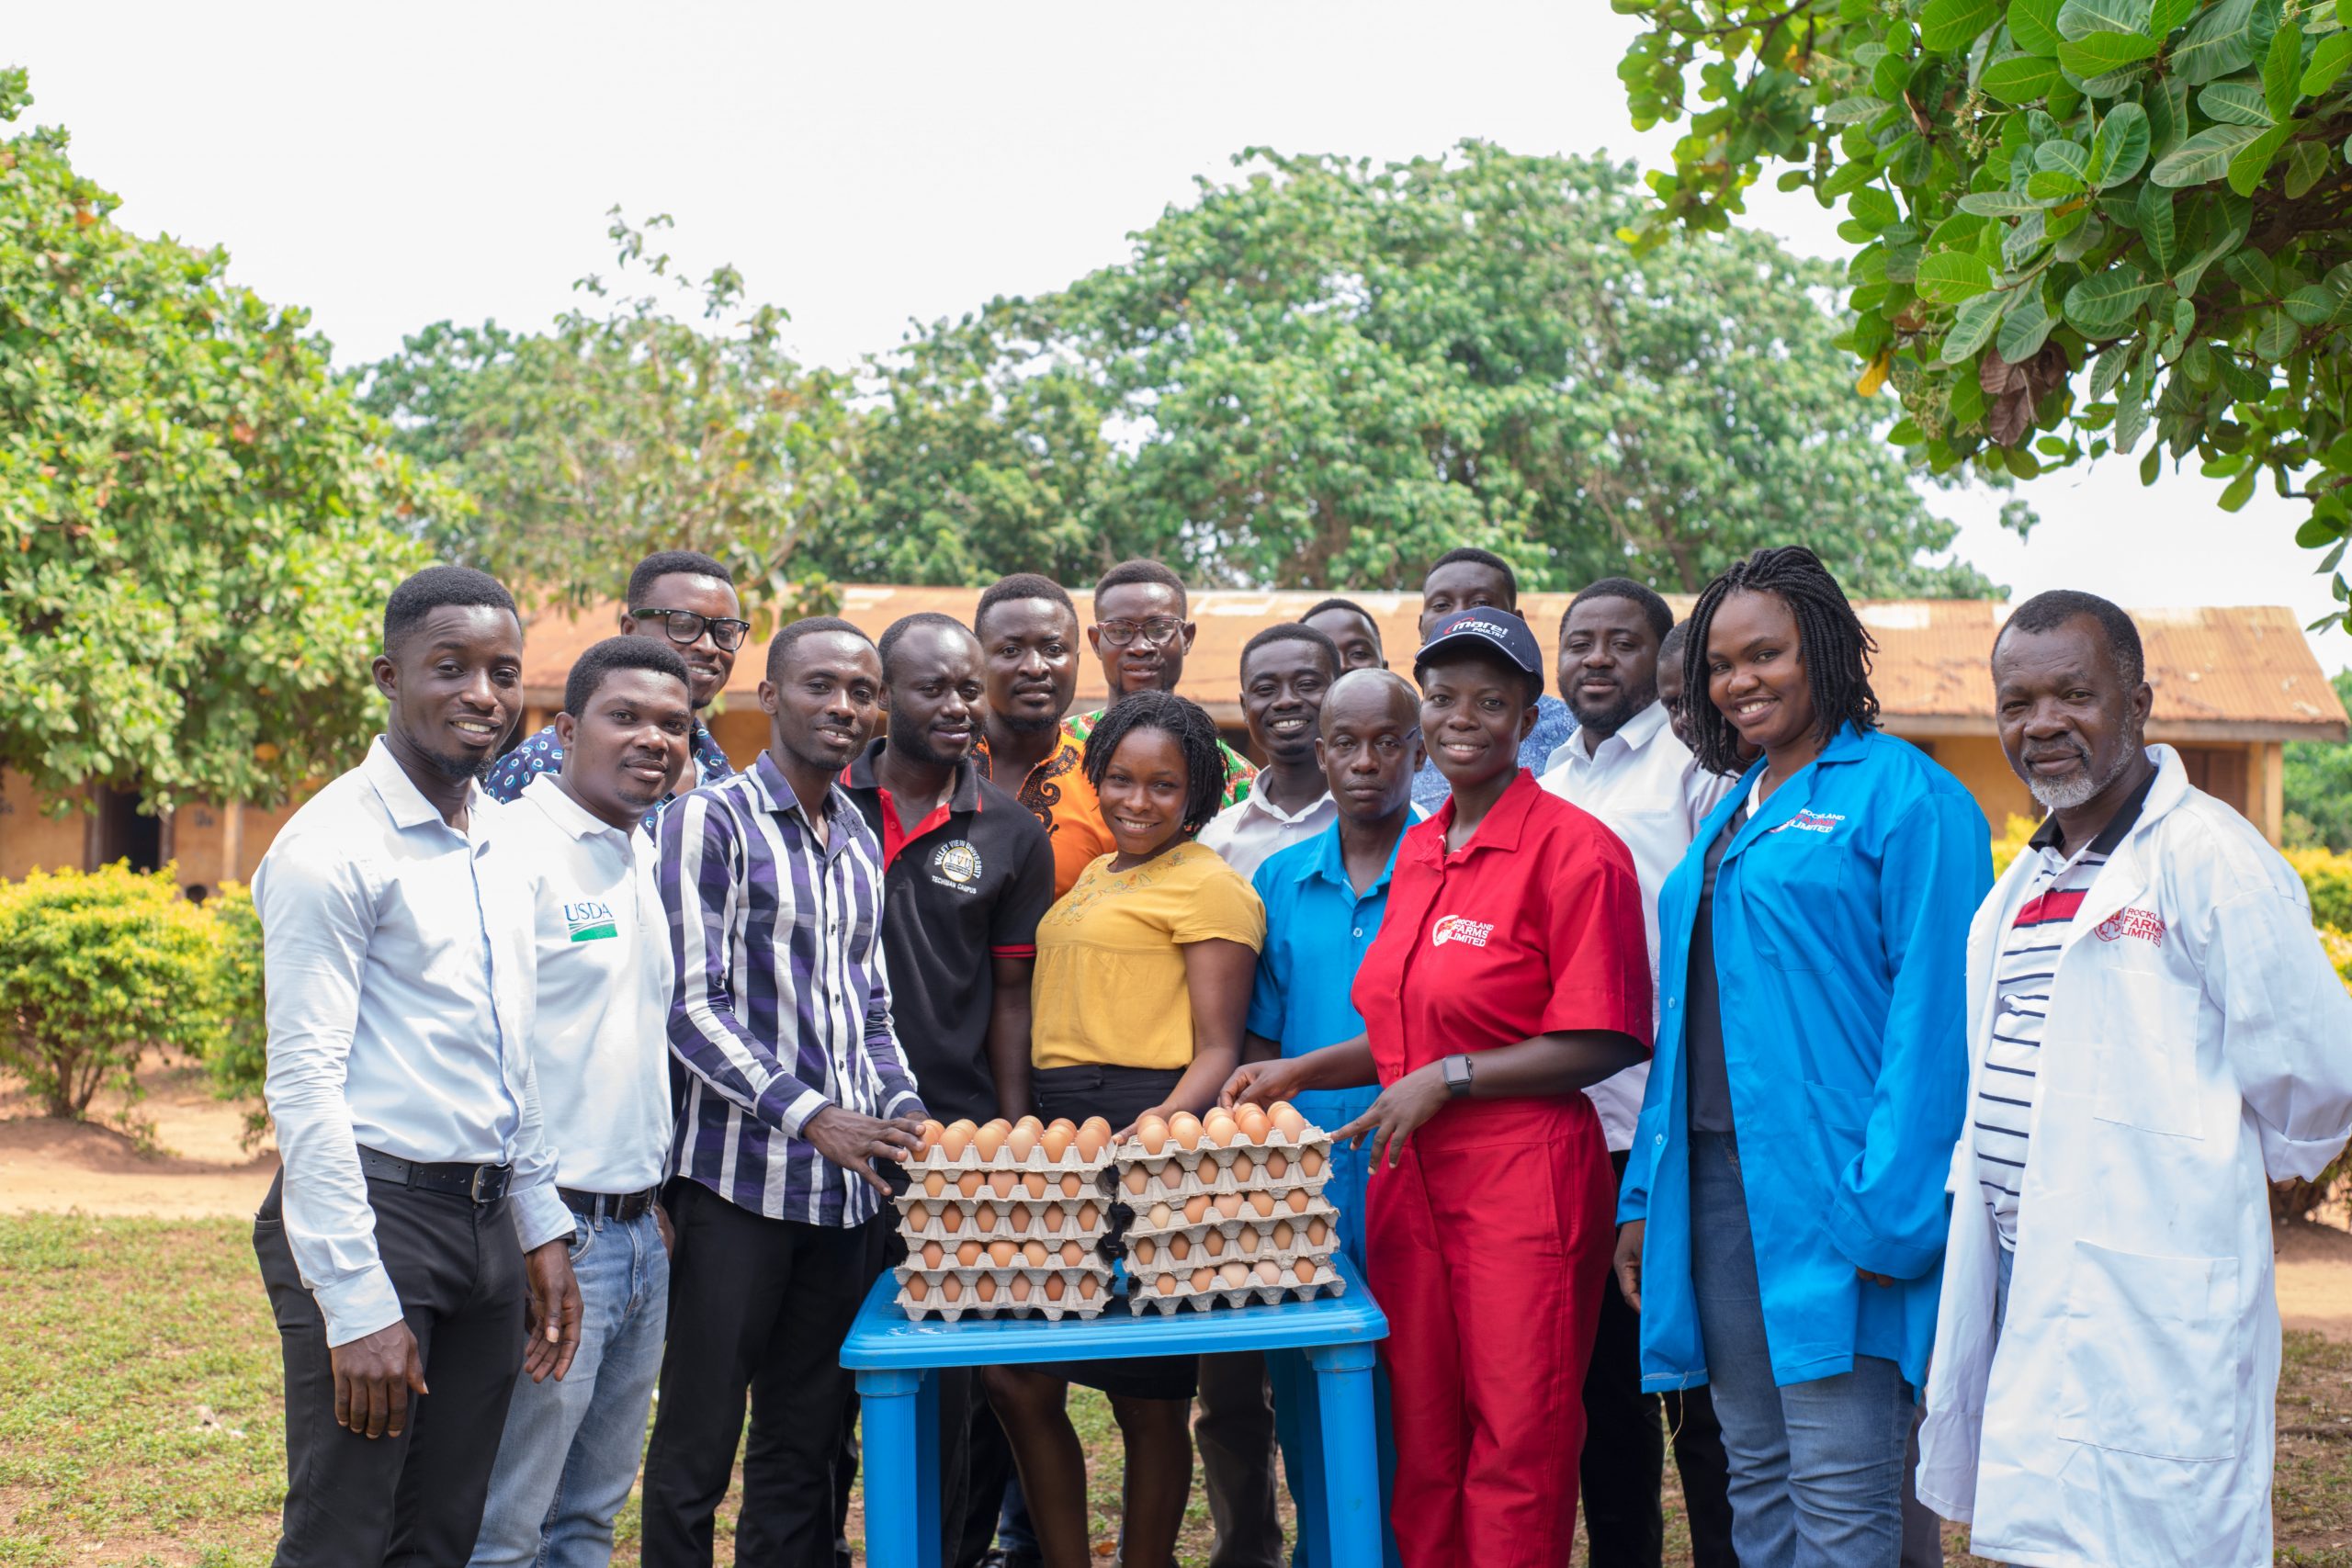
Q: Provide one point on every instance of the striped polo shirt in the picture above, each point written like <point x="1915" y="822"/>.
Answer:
<point x="2002" y="1118"/>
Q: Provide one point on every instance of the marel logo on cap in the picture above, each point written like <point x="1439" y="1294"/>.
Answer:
<point x="1483" y="629"/>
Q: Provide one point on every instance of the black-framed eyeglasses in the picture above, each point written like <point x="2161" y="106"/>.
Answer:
<point x="1158" y="631"/>
<point x="685" y="628"/>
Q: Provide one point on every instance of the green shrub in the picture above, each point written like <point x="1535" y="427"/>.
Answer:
<point x="2327" y="877"/>
<point x="96" y="968"/>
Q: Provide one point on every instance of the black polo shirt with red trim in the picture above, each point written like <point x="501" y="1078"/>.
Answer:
<point x="965" y="887"/>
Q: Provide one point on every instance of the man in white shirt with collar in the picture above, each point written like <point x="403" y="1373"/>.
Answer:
<point x="1285" y="670"/>
<point x="408" y="1114"/>
<point x="599" y="969"/>
<point x="1624" y="765"/>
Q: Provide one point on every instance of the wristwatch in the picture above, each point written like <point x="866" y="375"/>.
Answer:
<point x="1457" y="1076"/>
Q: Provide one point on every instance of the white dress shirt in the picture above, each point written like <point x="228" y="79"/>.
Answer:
<point x="599" y="969"/>
<point x="1245" y="833"/>
<point x="391" y="946"/>
<point x="1648" y="789"/>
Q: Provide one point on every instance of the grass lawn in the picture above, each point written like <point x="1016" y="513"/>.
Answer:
<point x="139" y="1400"/>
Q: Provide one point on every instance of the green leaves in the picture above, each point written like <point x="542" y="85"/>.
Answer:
<point x="2329" y="58"/>
<point x="2248" y="165"/>
<point x="1951" y="277"/>
<point x="1972" y="328"/>
<point x="2121" y="147"/>
<point x="2151" y="210"/>
<point x="2026" y="327"/>
<point x="2282" y="70"/>
<point x="2095" y="55"/>
<point x="1946" y="26"/>
<point x="2238" y="101"/>
<point x="2205" y="156"/>
<point x="2020" y="78"/>
<point x="2098" y="305"/>
<point x="2034" y="24"/>
<point x="2222" y="40"/>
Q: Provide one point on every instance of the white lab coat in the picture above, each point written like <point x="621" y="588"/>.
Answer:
<point x="2197" y="1044"/>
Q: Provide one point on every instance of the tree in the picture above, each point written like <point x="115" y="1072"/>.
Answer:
<point x="622" y="431"/>
<point x="1327" y="372"/>
<point x="2074" y="220"/>
<point x="198" y="528"/>
<point x="2319" y="785"/>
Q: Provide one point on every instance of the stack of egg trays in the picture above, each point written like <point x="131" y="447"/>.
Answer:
<point x="1057" y="1204"/>
<point x="1242" y="1169"/>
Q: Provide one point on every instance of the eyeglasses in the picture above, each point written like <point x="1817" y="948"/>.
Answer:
<point x="1158" y="631"/>
<point x="685" y="628"/>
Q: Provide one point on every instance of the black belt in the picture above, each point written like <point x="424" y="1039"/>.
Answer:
<point x="621" y="1206"/>
<point x="481" y="1184"/>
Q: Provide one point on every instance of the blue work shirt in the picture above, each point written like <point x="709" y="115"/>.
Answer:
<point x="1841" y="917"/>
<point x="1317" y="930"/>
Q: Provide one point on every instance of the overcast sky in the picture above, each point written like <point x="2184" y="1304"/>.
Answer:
<point x="870" y="165"/>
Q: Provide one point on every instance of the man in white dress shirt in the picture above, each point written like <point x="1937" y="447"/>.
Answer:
<point x="599" y="968"/>
<point x="1285" y="670"/>
<point x="407" y="1116"/>
<point x="1624" y="765"/>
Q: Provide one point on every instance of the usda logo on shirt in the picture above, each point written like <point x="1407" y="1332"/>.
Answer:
<point x="589" y="920"/>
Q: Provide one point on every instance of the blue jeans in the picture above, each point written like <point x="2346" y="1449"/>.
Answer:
<point x="571" y="1448"/>
<point x="1816" y="1467"/>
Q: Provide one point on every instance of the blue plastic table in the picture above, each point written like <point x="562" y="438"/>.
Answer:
<point x="895" y="1360"/>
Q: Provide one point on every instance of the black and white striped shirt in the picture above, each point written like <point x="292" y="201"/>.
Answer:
<point x="2001" y="1120"/>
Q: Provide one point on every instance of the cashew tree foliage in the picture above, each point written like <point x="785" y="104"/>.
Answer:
<point x="2080" y="227"/>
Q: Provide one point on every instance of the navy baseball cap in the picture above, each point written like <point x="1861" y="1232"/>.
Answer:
<point x="1486" y="631"/>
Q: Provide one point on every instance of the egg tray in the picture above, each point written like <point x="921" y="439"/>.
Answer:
<point x="1018" y="1218"/>
<point x="1327" y="1283"/>
<point x="1058" y="1185"/>
<point x="935" y="1158"/>
<point x="1089" y="1256"/>
<point x="1184" y="1175"/>
<point x="969" y="1303"/>
<point x="1230" y="1245"/>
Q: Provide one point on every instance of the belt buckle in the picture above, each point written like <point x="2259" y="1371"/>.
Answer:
<point x="473" y="1189"/>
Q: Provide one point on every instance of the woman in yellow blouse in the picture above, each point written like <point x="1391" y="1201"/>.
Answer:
<point x="1142" y="983"/>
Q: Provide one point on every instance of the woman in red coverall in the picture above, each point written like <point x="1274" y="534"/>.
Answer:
<point x="1512" y="970"/>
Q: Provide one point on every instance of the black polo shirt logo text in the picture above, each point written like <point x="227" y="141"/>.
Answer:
<point x="956" y="864"/>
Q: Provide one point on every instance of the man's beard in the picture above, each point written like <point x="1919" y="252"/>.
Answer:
<point x="1620" y="709"/>
<point x="914" y="744"/>
<point x="459" y="769"/>
<point x="2080" y="788"/>
<point x="1022" y="724"/>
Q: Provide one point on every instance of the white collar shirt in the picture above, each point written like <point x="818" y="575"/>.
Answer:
<point x="601" y="972"/>
<point x="398" y="1020"/>
<point x="1645" y="787"/>
<point x="1245" y="833"/>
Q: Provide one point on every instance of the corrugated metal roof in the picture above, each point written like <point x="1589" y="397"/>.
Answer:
<point x="2220" y="673"/>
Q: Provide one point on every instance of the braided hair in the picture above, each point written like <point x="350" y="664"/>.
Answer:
<point x="1194" y="733"/>
<point x="1837" y="647"/>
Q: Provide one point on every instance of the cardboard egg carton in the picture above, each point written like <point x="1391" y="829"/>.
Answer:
<point x="934" y="1283"/>
<point x="989" y="1219"/>
<point x="1145" y="1291"/>
<point x="968" y="1159"/>
<point x="1239" y="1167"/>
<point x="1186" y="1247"/>
<point x="1068" y="1253"/>
<point x="1005" y="1181"/>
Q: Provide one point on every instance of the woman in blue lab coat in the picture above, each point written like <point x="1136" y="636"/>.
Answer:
<point x="1783" y="1217"/>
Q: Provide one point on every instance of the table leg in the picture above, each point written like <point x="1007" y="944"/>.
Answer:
<point x="1349" y="1453"/>
<point x="1298" y="1421"/>
<point x="900" y="1412"/>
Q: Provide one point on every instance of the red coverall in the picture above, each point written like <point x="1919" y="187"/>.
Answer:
<point x="1488" y="1246"/>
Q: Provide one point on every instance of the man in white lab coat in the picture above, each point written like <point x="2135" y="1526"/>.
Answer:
<point x="2153" y="1034"/>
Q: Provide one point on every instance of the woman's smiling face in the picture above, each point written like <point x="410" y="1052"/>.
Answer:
<point x="1756" y="670"/>
<point x="1474" y="712"/>
<point x="1144" y="792"/>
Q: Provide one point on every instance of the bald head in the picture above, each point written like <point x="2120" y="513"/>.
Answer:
<point x="1369" y="742"/>
<point x="1366" y="693"/>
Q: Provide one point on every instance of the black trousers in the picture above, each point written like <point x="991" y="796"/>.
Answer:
<point x="414" y="1501"/>
<point x="758" y="1308"/>
<point x="1235" y="1432"/>
<point x="1624" y="1465"/>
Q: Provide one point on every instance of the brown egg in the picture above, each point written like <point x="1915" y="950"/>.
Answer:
<point x="1062" y="1123"/>
<point x="1185" y="1128"/>
<point x="1269" y="1272"/>
<point x="984" y="1217"/>
<point x="1030" y="1125"/>
<point x="1054" y="1287"/>
<point x="930" y="1133"/>
<point x="1002" y="1253"/>
<point x="1179" y="1249"/>
<point x="1057" y="1140"/>
<point x="1196" y="1208"/>
<point x="1087" y="1285"/>
<point x="932" y="1253"/>
<point x="934" y="1184"/>
<point x="1022" y="1142"/>
<point x="1261" y="1203"/>
<point x="1095" y="1125"/>
<point x="1297" y="1200"/>
<point x="1137" y="1178"/>
<point x="969" y="1253"/>
<point x="1144" y="1252"/>
<point x="1282" y="1236"/>
<point x="1161" y="1216"/>
<point x="1165" y="1284"/>
<point x="1151" y="1133"/>
<point x="1213" y="1244"/>
<point x="1032" y="1253"/>
<point x="1056" y="1216"/>
<point x="989" y="1141"/>
<point x="1088" y="1215"/>
<point x="1205" y="1279"/>
<point x="1234" y="1274"/>
<point x="951" y="1289"/>
<point x="918" y="1215"/>
<point x="1252" y="1122"/>
<point x="1002" y="1182"/>
<point x="1070" y="1186"/>
<point x="916" y="1288"/>
<point x="1287" y="1121"/>
<point x="955" y="1138"/>
<point x="1311" y="1162"/>
<point x="1219" y="1129"/>
<point x="1316" y="1231"/>
<point x="951" y="1218"/>
<point x="1226" y="1204"/>
<point x="985" y="1287"/>
<point x="1033" y="1184"/>
<point x="1019" y="1217"/>
<point x="1276" y="1164"/>
<point x="1093" y="1138"/>
<point x="1249" y="1238"/>
<point x="1304" y="1269"/>
<point x="970" y="1183"/>
<point x="1073" y="1253"/>
<point x="1242" y="1168"/>
<point x="1019" y="1287"/>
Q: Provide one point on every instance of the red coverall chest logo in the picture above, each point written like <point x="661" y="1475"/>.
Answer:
<point x="2145" y="924"/>
<point x="1461" y="928"/>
